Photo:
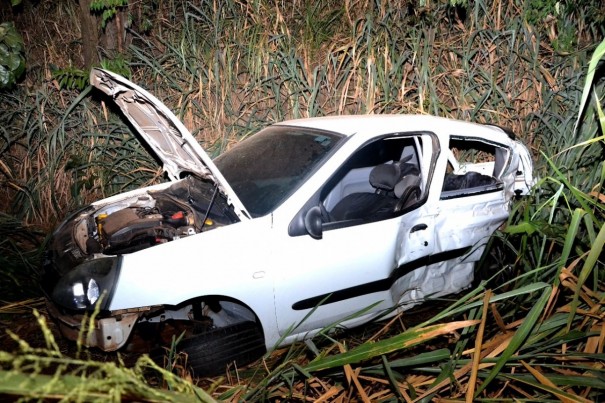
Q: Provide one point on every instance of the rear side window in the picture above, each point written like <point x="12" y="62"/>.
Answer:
<point x="474" y="167"/>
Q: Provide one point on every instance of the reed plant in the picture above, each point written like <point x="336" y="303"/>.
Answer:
<point x="229" y="68"/>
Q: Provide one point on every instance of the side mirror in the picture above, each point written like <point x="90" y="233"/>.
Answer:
<point x="313" y="223"/>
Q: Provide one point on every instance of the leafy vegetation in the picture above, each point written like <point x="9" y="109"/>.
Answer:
<point x="12" y="55"/>
<point x="228" y="68"/>
<point x="107" y="8"/>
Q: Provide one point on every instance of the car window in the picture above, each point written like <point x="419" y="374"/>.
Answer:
<point x="474" y="167"/>
<point x="266" y="168"/>
<point x="381" y="180"/>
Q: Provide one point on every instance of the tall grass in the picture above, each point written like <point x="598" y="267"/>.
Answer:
<point x="228" y="68"/>
<point x="46" y="373"/>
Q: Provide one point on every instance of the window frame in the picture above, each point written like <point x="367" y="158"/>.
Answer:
<point x="458" y="166"/>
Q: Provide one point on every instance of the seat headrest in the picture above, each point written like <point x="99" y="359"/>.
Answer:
<point x="409" y="169"/>
<point x="406" y="182"/>
<point x="385" y="176"/>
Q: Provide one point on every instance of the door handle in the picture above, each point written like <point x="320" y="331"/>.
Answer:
<point x="418" y="227"/>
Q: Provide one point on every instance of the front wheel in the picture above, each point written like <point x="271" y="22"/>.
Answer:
<point x="210" y="352"/>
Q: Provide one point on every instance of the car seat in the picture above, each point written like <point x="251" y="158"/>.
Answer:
<point x="392" y="183"/>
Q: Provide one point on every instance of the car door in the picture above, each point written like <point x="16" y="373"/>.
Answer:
<point x="349" y="273"/>
<point x="472" y="205"/>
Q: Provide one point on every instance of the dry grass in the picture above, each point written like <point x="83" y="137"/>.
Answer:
<point x="228" y="69"/>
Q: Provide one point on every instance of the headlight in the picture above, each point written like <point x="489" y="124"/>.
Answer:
<point x="82" y="287"/>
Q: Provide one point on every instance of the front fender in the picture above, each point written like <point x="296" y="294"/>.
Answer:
<point x="231" y="261"/>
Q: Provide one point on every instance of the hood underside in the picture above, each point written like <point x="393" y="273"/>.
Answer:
<point x="170" y="140"/>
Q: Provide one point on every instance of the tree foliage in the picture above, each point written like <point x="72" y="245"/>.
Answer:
<point x="107" y="8"/>
<point x="12" y="55"/>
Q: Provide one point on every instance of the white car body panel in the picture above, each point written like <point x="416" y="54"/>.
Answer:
<point x="369" y="258"/>
<point x="176" y="259"/>
<point x="148" y="276"/>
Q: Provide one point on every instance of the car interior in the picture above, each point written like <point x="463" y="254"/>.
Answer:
<point x="379" y="181"/>
<point x="474" y="167"/>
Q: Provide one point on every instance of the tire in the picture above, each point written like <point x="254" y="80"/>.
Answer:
<point x="210" y="352"/>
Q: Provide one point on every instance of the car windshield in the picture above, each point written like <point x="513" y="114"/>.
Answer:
<point x="266" y="168"/>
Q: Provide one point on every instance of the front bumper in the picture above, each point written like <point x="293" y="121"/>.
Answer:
<point x="108" y="334"/>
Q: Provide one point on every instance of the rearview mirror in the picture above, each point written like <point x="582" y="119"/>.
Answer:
<point x="313" y="223"/>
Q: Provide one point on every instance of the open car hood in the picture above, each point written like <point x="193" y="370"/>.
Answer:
<point x="164" y="133"/>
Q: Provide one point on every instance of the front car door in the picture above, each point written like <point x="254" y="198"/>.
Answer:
<point x="368" y="236"/>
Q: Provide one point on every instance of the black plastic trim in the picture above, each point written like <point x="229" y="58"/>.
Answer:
<point x="471" y="193"/>
<point x="116" y="277"/>
<point x="379" y="285"/>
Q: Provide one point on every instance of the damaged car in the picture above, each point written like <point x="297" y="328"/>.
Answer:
<point x="300" y="226"/>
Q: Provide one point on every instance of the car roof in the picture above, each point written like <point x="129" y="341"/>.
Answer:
<point x="376" y="125"/>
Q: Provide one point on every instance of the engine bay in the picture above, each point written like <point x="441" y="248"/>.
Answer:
<point x="185" y="208"/>
<point x="143" y="223"/>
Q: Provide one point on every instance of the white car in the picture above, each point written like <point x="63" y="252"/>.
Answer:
<point x="332" y="215"/>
